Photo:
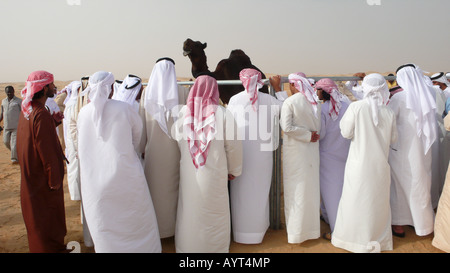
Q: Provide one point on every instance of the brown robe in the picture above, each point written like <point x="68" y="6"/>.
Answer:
<point x="42" y="172"/>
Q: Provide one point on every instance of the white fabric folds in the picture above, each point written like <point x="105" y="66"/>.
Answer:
<point x="419" y="98"/>
<point x="100" y="86"/>
<point x="162" y="93"/>
<point x="128" y="90"/>
<point x="376" y="93"/>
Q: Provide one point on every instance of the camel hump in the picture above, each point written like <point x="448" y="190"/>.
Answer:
<point x="243" y="58"/>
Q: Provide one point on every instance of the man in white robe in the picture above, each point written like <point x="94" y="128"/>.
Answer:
<point x="364" y="214"/>
<point x="160" y="151"/>
<point x="355" y="87"/>
<point x="300" y="122"/>
<point x="257" y="116"/>
<point x="211" y="155"/>
<point x="441" y="237"/>
<point x="333" y="149"/>
<point x="71" y="150"/>
<point x="115" y="195"/>
<point x="440" y="157"/>
<point x="411" y="157"/>
<point x="73" y="169"/>
<point x="440" y="80"/>
<point x="73" y="173"/>
<point x="441" y="147"/>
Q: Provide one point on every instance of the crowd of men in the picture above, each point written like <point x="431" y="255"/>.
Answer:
<point x="166" y="160"/>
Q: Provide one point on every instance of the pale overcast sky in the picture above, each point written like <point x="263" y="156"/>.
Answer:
<point x="280" y="36"/>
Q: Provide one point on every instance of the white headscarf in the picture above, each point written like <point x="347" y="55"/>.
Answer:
<point x="440" y="77"/>
<point x="72" y="93"/>
<point x="303" y="85"/>
<point x="419" y="98"/>
<point x="99" y="89"/>
<point x="161" y="94"/>
<point x="376" y="93"/>
<point x="128" y="90"/>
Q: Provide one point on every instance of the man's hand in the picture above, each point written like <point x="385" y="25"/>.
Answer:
<point x="275" y="81"/>
<point x="315" y="136"/>
<point x="360" y="75"/>
<point x="231" y="177"/>
<point x="58" y="117"/>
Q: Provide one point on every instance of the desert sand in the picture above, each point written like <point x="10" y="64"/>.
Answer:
<point x="13" y="236"/>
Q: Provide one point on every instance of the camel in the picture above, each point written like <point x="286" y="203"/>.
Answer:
<point x="227" y="69"/>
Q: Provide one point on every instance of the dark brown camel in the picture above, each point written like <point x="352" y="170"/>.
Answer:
<point x="227" y="69"/>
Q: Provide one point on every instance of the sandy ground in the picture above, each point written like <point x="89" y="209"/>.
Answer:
<point x="13" y="237"/>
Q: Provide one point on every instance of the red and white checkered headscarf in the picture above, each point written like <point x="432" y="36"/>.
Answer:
<point x="36" y="82"/>
<point x="251" y="80"/>
<point x="329" y="86"/>
<point x="303" y="85"/>
<point x="199" y="121"/>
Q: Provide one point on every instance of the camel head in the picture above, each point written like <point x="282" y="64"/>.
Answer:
<point x="191" y="47"/>
<point x="196" y="53"/>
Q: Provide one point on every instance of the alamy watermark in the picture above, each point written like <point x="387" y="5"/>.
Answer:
<point x="73" y="2"/>
<point x="373" y="2"/>
<point x="236" y="123"/>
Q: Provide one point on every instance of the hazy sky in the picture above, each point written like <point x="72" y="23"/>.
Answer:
<point x="280" y="36"/>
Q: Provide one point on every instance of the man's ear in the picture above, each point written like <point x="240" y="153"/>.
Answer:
<point x="46" y="89"/>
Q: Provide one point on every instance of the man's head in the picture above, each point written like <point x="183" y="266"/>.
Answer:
<point x="101" y="84"/>
<point x="440" y="79"/>
<point x="391" y="81"/>
<point x="292" y="83"/>
<point x="9" y="90"/>
<point x="375" y="85"/>
<point x="325" y="87"/>
<point x="37" y="82"/>
<point x="129" y="90"/>
<point x="48" y="91"/>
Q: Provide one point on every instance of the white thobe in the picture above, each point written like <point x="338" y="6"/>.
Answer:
<point x="116" y="200"/>
<point x="356" y="89"/>
<point x="73" y="173"/>
<point x="440" y="157"/>
<point x="74" y="168"/>
<point x="249" y="192"/>
<point x="162" y="165"/>
<point x="300" y="169"/>
<point x="411" y="173"/>
<point x="364" y="214"/>
<point x="441" y="238"/>
<point x="333" y="155"/>
<point x="203" y="215"/>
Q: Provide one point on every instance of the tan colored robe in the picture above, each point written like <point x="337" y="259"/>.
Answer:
<point x="161" y="166"/>
<point x="441" y="238"/>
